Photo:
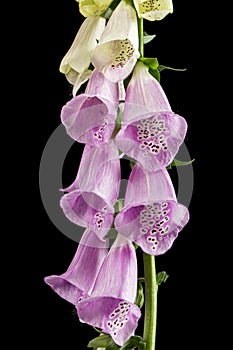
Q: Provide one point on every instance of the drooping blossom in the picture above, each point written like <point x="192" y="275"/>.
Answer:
<point x="117" y="50"/>
<point x="153" y="10"/>
<point x="79" y="278"/>
<point x="76" y="62"/>
<point x="111" y="304"/>
<point x="93" y="7"/>
<point x="90" y="199"/>
<point x="151" y="132"/>
<point x="90" y="117"/>
<point x="151" y="216"/>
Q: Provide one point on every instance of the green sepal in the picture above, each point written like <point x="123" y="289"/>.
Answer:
<point x="134" y="341"/>
<point x="161" y="277"/>
<point x="139" y="300"/>
<point x="176" y="163"/>
<point x="112" y="346"/>
<point x="131" y="164"/>
<point x="150" y="62"/>
<point x="107" y="14"/>
<point x="147" y="37"/>
<point x="155" y="73"/>
<point x="100" y="342"/>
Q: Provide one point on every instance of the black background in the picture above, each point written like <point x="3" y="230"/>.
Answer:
<point x="185" y="302"/>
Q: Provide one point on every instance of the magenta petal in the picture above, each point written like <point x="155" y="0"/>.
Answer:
<point x="100" y="86"/>
<point x="115" y="316"/>
<point x="98" y="181"/>
<point x="87" y="209"/>
<point x="154" y="140"/>
<point x="90" y="117"/>
<point x="81" y="274"/>
<point x="145" y="187"/>
<point x="159" y="236"/>
<point x="110" y="306"/>
<point x="151" y="217"/>
<point x="144" y="94"/>
<point x="121" y="261"/>
<point x="99" y="172"/>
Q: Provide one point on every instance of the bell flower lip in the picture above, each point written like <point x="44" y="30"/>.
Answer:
<point x="90" y="117"/>
<point x="153" y="10"/>
<point x="81" y="274"/>
<point x="152" y="231"/>
<point x="78" y="57"/>
<point x="102" y="312"/>
<point x="151" y="217"/>
<point x="111" y="304"/>
<point x="144" y="95"/>
<point x="117" y="50"/>
<point x="153" y="141"/>
<point x="158" y="243"/>
<point x="93" y="7"/>
<point x="88" y="209"/>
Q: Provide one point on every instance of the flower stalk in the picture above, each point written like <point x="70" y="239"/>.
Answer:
<point x="140" y="35"/>
<point x="151" y="289"/>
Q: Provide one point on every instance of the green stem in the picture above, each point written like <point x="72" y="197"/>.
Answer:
<point x="151" y="287"/>
<point x="151" y="290"/>
<point x="140" y="35"/>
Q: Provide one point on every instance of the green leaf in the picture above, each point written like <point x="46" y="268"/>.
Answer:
<point x="139" y="301"/>
<point x="161" y="67"/>
<point x="161" y="277"/>
<point x="155" y="73"/>
<point x="100" y="342"/>
<point x="147" y="38"/>
<point x="150" y="62"/>
<point x="134" y="341"/>
<point x="177" y="162"/>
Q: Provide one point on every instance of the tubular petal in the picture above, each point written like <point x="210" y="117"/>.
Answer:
<point x="111" y="305"/>
<point x="151" y="217"/>
<point x="81" y="274"/>
<point x="78" y="57"/>
<point x="117" y="51"/>
<point x="90" y="117"/>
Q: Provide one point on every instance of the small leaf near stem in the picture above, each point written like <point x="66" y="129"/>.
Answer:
<point x="177" y="162"/>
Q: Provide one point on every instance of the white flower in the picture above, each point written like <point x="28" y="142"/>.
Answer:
<point x="117" y="51"/>
<point x="77" y="60"/>
<point x="153" y="10"/>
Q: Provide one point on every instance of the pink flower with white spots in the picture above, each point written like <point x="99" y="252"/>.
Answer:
<point x="151" y="132"/>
